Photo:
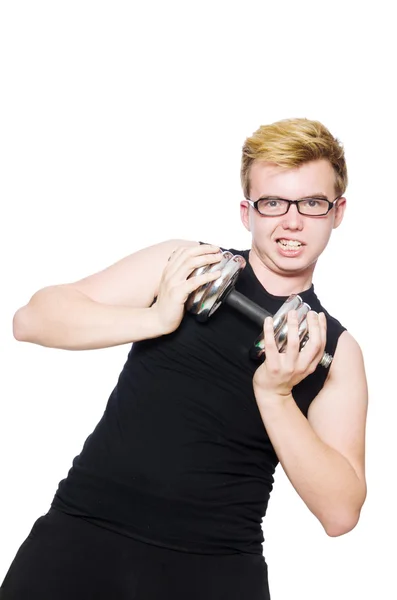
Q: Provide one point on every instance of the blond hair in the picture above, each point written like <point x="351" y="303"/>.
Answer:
<point x="290" y="143"/>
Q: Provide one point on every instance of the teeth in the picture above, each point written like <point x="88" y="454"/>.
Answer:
<point x="290" y="243"/>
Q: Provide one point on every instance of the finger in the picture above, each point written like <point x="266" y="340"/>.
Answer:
<point x="313" y="349"/>
<point x="293" y="343"/>
<point x="197" y="265"/>
<point x="185" y="260"/>
<point x="322" y="321"/>
<point x="193" y="251"/>
<point x="193" y="283"/>
<point x="269" y="342"/>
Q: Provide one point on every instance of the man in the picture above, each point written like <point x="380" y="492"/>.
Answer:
<point x="167" y="497"/>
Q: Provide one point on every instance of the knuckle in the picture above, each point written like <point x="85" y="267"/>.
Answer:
<point x="194" y="283"/>
<point x="317" y="345"/>
<point x="194" y="262"/>
<point x="293" y="341"/>
<point x="173" y="290"/>
<point x="311" y="368"/>
<point x="290" y="370"/>
<point x="212" y="274"/>
<point x="273" y="370"/>
<point x="272" y="366"/>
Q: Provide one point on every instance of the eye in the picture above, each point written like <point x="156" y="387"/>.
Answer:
<point x="270" y="202"/>
<point x="312" y="202"/>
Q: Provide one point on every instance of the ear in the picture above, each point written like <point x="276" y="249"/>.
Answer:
<point x="244" y="214"/>
<point x="340" y="208"/>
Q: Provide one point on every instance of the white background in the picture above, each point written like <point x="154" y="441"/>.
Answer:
<point x="122" y="125"/>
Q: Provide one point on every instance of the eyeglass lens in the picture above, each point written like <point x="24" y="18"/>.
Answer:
<point x="307" y="206"/>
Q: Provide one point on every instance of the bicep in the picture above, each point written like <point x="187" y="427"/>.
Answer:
<point x="133" y="280"/>
<point x="338" y="413"/>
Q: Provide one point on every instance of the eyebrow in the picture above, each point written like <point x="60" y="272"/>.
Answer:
<point x="319" y="195"/>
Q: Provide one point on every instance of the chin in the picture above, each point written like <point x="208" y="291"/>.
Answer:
<point x="284" y="265"/>
<point x="293" y="266"/>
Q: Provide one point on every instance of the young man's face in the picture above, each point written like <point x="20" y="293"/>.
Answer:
<point x="291" y="243"/>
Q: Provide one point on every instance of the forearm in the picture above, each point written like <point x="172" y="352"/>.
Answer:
<point x="63" y="317"/>
<point x="324" y="479"/>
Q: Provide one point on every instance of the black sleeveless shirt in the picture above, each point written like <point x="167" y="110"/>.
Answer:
<point x="181" y="457"/>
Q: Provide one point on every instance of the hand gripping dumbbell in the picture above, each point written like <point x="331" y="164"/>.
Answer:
<point x="204" y="301"/>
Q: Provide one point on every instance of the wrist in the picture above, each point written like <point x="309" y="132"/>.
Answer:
<point x="156" y="323"/>
<point x="273" y="400"/>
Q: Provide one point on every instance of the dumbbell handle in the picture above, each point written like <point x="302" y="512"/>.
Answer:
<point x="244" y="305"/>
<point x="257" y="314"/>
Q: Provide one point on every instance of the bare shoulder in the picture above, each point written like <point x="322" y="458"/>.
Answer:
<point x="134" y="279"/>
<point x="348" y="359"/>
<point x="347" y="375"/>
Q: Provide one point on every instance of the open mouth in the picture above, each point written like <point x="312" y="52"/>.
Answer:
<point x="289" y="244"/>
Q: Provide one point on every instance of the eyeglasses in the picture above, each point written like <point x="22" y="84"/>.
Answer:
<point x="271" y="206"/>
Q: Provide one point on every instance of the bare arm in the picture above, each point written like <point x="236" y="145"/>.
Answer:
<point x="111" y="307"/>
<point x="323" y="456"/>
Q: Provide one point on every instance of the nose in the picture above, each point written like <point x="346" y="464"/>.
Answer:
<point x="292" y="219"/>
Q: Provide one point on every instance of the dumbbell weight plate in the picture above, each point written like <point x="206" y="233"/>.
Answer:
<point x="204" y="301"/>
<point x="196" y="298"/>
<point x="282" y="335"/>
<point x="293" y="302"/>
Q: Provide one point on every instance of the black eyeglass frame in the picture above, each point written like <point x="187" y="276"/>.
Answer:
<point x="255" y="204"/>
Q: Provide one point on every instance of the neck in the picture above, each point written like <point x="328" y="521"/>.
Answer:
<point x="279" y="283"/>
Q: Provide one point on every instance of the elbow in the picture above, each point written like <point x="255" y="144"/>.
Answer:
<point x="346" y="516"/>
<point x="338" y="529"/>
<point x="19" y="325"/>
<point x="341" y="524"/>
<point x="28" y="320"/>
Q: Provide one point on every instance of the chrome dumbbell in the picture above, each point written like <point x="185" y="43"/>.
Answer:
<point x="294" y="302"/>
<point x="204" y="301"/>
